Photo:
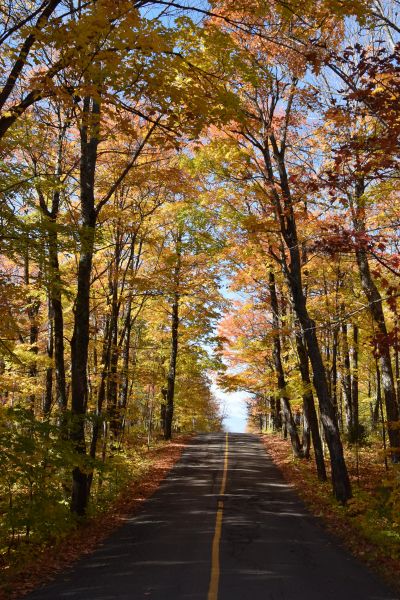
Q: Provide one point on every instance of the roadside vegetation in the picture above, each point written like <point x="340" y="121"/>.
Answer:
<point x="368" y="525"/>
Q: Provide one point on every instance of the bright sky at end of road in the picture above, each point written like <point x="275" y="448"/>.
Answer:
<point x="233" y="407"/>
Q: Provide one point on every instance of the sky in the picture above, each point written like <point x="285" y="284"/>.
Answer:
<point x="233" y="407"/>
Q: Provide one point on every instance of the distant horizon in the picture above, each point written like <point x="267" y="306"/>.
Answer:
<point x="233" y="407"/>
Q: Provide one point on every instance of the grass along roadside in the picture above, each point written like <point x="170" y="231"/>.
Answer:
<point x="369" y="525"/>
<point x="41" y="563"/>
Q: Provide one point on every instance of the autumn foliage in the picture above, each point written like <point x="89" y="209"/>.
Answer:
<point x="154" y="154"/>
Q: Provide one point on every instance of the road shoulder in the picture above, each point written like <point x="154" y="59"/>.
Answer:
<point x="341" y="522"/>
<point x="53" y="559"/>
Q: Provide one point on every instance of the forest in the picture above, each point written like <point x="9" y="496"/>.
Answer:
<point x="155" y="154"/>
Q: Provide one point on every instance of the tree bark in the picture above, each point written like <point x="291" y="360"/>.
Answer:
<point x="112" y="392"/>
<point x="32" y="312"/>
<point x="56" y="305"/>
<point x="355" y="425"/>
<point x="378" y="398"/>
<point x="376" y="310"/>
<point x="89" y="132"/>
<point x="169" y="407"/>
<point x="309" y="408"/>
<point x="101" y="395"/>
<point x="48" y="392"/>
<point x="280" y="375"/>
<point x="55" y="281"/>
<point x="286" y="219"/>
<point x="346" y="376"/>
<point x="334" y="373"/>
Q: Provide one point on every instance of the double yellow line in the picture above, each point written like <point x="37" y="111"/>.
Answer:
<point x="215" y="564"/>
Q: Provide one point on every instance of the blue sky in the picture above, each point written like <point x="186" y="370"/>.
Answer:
<point x="233" y="407"/>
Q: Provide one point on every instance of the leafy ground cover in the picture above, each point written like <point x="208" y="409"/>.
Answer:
<point x="35" y="563"/>
<point x="369" y="524"/>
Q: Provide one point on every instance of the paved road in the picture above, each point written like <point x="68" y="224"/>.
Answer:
<point x="270" y="548"/>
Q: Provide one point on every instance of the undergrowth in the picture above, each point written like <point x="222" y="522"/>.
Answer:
<point x="35" y="482"/>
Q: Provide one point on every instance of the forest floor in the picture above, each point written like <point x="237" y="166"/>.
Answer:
<point x="369" y="525"/>
<point x="42" y="564"/>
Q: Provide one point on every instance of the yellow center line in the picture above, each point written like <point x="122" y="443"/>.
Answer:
<point x="215" y="566"/>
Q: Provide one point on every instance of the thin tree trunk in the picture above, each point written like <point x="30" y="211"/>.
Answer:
<point x="56" y="305"/>
<point x="125" y="341"/>
<point x="376" y="310"/>
<point x="112" y="388"/>
<point x="378" y="398"/>
<point x="55" y="282"/>
<point x="123" y="394"/>
<point x="309" y="408"/>
<point x="48" y="392"/>
<point x="101" y="395"/>
<point x="334" y="374"/>
<point x="346" y="376"/>
<point x="389" y="392"/>
<point x="280" y="375"/>
<point x="355" y="426"/>
<point x="169" y="408"/>
<point x="32" y="312"/>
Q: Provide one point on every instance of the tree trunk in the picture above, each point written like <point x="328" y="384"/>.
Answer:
<point x="169" y="408"/>
<point x="309" y="408"/>
<point x="389" y="391"/>
<point x="376" y="310"/>
<point x="346" y="376"/>
<point x="355" y="426"/>
<point x="55" y="282"/>
<point x="334" y="374"/>
<point x="124" y="389"/>
<point x="378" y="399"/>
<point x="280" y="375"/>
<point x="306" y="437"/>
<point x="286" y="219"/>
<point x="48" y="392"/>
<point x="80" y="338"/>
<point x="101" y="395"/>
<point x="56" y="305"/>
<point x="32" y="312"/>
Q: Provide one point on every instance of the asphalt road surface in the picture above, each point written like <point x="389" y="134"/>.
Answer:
<point x="222" y="526"/>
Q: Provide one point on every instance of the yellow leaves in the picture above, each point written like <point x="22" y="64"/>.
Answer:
<point x="377" y="90"/>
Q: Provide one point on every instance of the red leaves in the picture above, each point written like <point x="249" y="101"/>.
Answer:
<point x="337" y="239"/>
<point x="380" y="342"/>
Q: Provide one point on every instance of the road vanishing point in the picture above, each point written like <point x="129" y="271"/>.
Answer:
<point x="223" y="525"/>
